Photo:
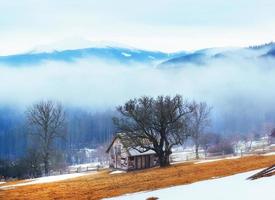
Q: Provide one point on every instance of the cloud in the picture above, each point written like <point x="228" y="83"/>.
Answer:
<point x="240" y="90"/>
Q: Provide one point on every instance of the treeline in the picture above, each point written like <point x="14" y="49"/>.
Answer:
<point x="84" y="128"/>
<point x="45" y="136"/>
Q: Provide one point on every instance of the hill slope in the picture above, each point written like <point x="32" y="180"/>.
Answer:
<point x="205" y="56"/>
<point x="103" y="184"/>
<point x="118" y="54"/>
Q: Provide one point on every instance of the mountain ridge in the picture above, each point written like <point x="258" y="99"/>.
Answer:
<point x="128" y="55"/>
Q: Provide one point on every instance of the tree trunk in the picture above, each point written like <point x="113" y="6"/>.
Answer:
<point x="46" y="164"/>
<point x="205" y="152"/>
<point x="197" y="151"/>
<point x="164" y="159"/>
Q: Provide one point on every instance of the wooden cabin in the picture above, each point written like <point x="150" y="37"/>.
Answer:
<point x="129" y="159"/>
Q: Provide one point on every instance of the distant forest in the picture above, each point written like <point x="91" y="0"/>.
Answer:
<point x="87" y="128"/>
<point x="83" y="129"/>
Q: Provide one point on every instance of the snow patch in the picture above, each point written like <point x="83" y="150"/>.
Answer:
<point x="269" y="154"/>
<point x="213" y="160"/>
<point x="207" y="161"/>
<point x="126" y="54"/>
<point x="2" y="183"/>
<point x="117" y="172"/>
<point x="85" y="165"/>
<point x="47" y="179"/>
<point x="227" y="188"/>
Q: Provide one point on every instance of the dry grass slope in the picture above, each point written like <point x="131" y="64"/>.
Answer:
<point x="105" y="185"/>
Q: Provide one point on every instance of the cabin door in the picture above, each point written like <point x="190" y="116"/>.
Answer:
<point x="143" y="162"/>
<point x="147" y="161"/>
<point x="138" y="162"/>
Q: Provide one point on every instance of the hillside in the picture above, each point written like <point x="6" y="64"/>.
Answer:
<point x="120" y="55"/>
<point x="210" y="55"/>
<point x="226" y="188"/>
<point x="128" y="55"/>
<point x="103" y="184"/>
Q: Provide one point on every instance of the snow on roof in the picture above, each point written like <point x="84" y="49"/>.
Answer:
<point x="134" y="152"/>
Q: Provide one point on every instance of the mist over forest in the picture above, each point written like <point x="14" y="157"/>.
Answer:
<point x="238" y="86"/>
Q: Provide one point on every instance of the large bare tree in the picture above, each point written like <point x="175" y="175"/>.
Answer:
<point x="154" y="124"/>
<point x="199" y="120"/>
<point x="47" y="122"/>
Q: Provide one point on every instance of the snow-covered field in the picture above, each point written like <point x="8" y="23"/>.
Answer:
<point x="85" y="165"/>
<point x="46" y="179"/>
<point x="227" y="188"/>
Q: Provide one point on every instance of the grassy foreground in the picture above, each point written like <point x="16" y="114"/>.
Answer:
<point x="102" y="184"/>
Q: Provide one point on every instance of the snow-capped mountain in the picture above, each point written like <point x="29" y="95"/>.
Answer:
<point x="74" y="44"/>
<point x="112" y="52"/>
<point x="204" y="56"/>
<point x="117" y="54"/>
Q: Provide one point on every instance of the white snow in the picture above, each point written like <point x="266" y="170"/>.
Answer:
<point x="77" y="43"/>
<point x="269" y="154"/>
<point x="134" y="152"/>
<point x="66" y="44"/>
<point x="47" y="179"/>
<point x="85" y="165"/>
<point x="126" y="54"/>
<point x="117" y="172"/>
<point x="182" y="156"/>
<point x="207" y="161"/>
<point x="227" y="188"/>
<point x="2" y="182"/>
<point x="213" y="160"/>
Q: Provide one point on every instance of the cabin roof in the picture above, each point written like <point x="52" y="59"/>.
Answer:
<point x="132" y="152"/>
<point x="111" y="144"/>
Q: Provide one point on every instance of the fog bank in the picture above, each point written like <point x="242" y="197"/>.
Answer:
<point x="238" y="90"/>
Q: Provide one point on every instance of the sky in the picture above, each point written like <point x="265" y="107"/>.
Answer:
<point x="157" y="24"/>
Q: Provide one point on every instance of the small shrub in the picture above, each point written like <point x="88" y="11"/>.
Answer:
<point x="152" y="198"/>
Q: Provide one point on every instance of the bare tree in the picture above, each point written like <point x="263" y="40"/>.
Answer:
<point x="248" y="139"/>
<point x="207" y="140"/>
<point x="47" y="121"/>
<point x="223" y="146"/>
<point x="199" y="120"/>
<point x="154" y="124"/>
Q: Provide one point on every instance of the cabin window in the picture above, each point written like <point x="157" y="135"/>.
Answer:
<point x="131" y="158"/>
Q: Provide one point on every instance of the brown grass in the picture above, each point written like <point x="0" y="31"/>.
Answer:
<point x="104" y="185"/>
<point x="152" y="198"/>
